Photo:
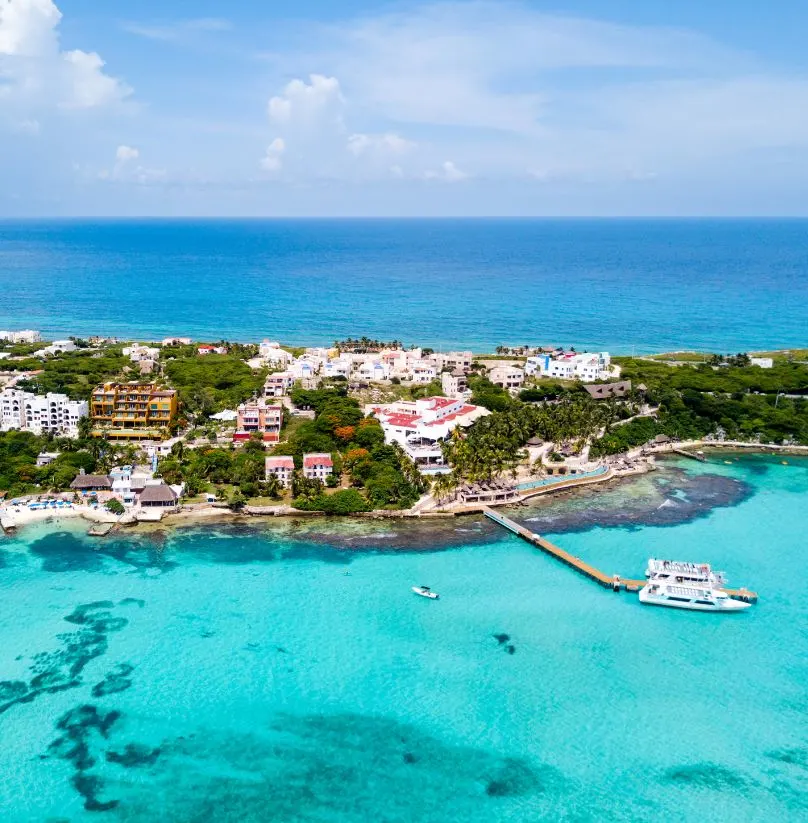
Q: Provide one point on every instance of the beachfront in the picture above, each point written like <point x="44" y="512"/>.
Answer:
<point x="367" y="427"/>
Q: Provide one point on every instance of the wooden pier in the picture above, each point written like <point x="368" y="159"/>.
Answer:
<point x="614" y="582"/>
<point x="692" y="455"/>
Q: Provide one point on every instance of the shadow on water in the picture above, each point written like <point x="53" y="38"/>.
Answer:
<point x="60" y="670"/>
<point x="341" y="767"/>
<point x="65" y="551"/>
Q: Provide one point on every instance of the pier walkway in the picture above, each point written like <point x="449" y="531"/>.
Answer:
<point x="614" y="582"/>
<point x="692" y="455"/>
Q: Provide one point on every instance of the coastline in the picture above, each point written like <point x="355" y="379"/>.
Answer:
<point x="201" y="515"/>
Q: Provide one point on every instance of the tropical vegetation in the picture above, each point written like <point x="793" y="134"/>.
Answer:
<point x="211" y="383"/>
<point x="75" y="374"/>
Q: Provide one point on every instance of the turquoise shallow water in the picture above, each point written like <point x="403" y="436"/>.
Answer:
<point x="254" y="675"/>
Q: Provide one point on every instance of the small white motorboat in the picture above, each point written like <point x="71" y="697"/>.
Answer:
<point x="425" y="591"/>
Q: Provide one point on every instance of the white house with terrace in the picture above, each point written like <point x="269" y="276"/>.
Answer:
<point x="273" y="355"/>
<point x="587" y="367"/>
<point x="419" y="426"/>
<point x="282" y="467"/>
<point x="318" y="466"/>
<point x="137" y="353"/>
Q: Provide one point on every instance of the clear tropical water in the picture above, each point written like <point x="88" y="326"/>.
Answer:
<point x="718" y="285"/>
<point x="272" y="674"/>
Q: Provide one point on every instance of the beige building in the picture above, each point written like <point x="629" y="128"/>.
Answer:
<point x="508" y="377"/>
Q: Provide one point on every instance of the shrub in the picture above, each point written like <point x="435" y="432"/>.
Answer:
<point x="115" y="506"/>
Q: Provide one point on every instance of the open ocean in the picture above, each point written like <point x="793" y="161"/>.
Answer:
<point x="649" y="285"/>
<point x="285" y="672"/>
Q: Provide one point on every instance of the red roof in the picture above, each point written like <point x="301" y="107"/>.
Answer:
<point x="450" y="417"/>
<point x="442" y="402"/>
<point x="408" y="420"/>
<point x="280" y="462"/>
<point x="310" y="461"/>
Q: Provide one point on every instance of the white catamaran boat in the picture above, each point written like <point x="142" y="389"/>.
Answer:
<point x="698" y="598"/>
<point x="687" y="586"/>
<point x="673" y="571"/>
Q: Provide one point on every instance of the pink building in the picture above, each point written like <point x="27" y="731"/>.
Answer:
<point x="282" y="467"/>
<point x="317" y="466"/>
<point x="259" y="416"/>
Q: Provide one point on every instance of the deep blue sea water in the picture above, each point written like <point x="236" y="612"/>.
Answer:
<point x="254" y="675"/>
<point x="649" y="285"/>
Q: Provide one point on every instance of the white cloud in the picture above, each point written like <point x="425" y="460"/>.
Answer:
<point x="360" y="144"/>
<point x="127" y="170"/>
<point x="37" y="74"/>
<point x="303" y="105"/>
<point x="27" y="27"/>
<point x="271" y="161"/>
<point x="88" y="85"/>
<point x="26" y="127"/>
<point x="448" y="172"/>
<point x="125" y="153"/>
<point x="505" y="88"/>
<point x="179" y="29"/>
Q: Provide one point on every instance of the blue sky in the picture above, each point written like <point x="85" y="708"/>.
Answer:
<point x="488" y="107"/>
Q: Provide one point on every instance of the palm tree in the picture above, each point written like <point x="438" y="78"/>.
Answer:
<point x="273" y="486"/>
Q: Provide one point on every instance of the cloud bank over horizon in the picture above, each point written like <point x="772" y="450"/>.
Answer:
<point x="437" y="108"/>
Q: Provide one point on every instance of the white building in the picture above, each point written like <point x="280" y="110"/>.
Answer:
<point x="320" y="353"/>
<point x="338" y="367"/>
<point x="176" y="341"/>
<point x="57" y="347"/>
<point x="128" y="482"/>
<point x="273" y="355"/>
<point x="422" y="371"/>
<point x="763" y="362"/>
<point x="507" y="377"/>
<point x="318" y="466"/>
<point x="305" y="368"/>
<point x="278" y="384"/>
<point x="373" y="372"/>
<point x="55" y="413"/>
<point x="454" y="384"/>
<point x="136" y="353"/>
<point x="22" y="336"/>
<point x="587" y="368"/>
<point x="282" y="467"/>
<point x="419" y="426"/>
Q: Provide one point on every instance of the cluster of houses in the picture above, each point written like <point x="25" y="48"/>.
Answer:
<point x="408" y="366"/>
<point x="316" y="466"/>
<point x="586" y="367"/>
<point x="144" y="356"/>
<point x="133" y="486"/>
<point x="415" y="367"/>
<point x="41" y="414"/>
<point x="21" y="336"/>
